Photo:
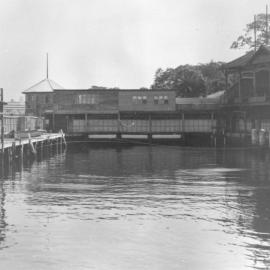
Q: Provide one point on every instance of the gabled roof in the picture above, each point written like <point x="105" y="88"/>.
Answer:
<point x="262" y="55"/>
<point x="46" y="85"/>
<point x="240" y="62"/>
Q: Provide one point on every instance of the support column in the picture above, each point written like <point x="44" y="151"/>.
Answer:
<point x="183" y="127"/>
<point x="214" y="131"/>
<point x="53" y="122"/>
<point x="118" y="134"/>
<point x="149" y="128"/>
<point x="67" y="123"/>
<point x="86" y="122"/>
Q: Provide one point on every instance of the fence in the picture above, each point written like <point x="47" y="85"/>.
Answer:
<point x="21" y="123"/>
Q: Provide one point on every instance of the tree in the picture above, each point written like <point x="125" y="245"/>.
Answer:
<point x="214" y="78"/>
<point x="262" y="34"/>
<point x="191" y="81"/>
<point x="186" y="80"/>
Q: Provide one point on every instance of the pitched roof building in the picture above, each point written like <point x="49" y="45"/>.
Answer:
<point x="39" y="97"/>
<point x="44" y="86"/>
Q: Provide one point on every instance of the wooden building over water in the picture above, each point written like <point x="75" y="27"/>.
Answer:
<point x="246" y="104"/>
<point x="126" y="113"/>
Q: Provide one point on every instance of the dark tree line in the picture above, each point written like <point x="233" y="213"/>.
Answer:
<point x="191" y="80"/>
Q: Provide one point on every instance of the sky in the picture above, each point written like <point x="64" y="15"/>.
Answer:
<point x="114" y="43"/>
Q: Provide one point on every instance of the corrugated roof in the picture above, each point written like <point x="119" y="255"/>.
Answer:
<point x="46" y="85"/>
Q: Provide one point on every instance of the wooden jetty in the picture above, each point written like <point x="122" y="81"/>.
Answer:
<point x="19" y="147"/>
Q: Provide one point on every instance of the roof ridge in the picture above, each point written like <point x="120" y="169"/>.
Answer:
<point x="49" y="83"/>
<point x="34" y="85"/>
<point x="45" y="85"/>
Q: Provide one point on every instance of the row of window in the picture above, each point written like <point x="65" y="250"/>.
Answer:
<point x="45" y="99"/>
<point x="144" y="99"/>
<point x="93" y="99"/>
<point x="86" y="99"/>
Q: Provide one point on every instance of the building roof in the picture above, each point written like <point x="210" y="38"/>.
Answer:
<point x="46" y="85"/>
<point x="240" y="62"/>
<point x="262" y="55"/>
<point x="115" y="89"/>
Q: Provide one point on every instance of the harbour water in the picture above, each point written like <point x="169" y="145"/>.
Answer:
<point x="137" y="207"/>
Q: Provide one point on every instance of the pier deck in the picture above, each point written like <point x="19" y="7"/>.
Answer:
<point x="31" y="146"/>
<point x="9" y="142"/>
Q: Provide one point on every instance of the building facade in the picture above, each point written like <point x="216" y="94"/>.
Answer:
<point x="39" y="97"/>
<point x="247" y="103"/>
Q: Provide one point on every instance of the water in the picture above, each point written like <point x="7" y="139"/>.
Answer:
<point x="140" y="207"/>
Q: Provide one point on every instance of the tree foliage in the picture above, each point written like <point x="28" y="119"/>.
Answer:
<point x="191" y="80"/>
<point x="246" y="40"/>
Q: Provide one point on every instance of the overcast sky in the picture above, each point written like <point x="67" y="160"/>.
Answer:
<point x="113" y="43"/>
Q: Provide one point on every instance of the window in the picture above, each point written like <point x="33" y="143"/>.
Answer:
<point x="47" y="99"/>
<point x="166" y="100"/>
<point x="161" y="100"/>
<point x="134" y="99"/>
<point x="31" y="98"/>
<point x="144" y="99"/>
<point x="86" y="99"/>
<point x="247" y="75"/>
<point x="139" y="99"/>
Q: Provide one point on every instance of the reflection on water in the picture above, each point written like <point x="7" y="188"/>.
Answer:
<point x="137" y="207"/>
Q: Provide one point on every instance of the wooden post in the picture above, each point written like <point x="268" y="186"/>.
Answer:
<point x="21" y="150"/>
<point x="21" y="156"/>
<point x="183" y="122"/>
<point x="213" y="136"/>
<point x="67" y="124"/>
<point x="41" y="149"/>
<point x="150" y="128"/>
<point x="13" y="150"/>
<point x="63" y="137"/>
<point x="118" y="135"/>
<point x="31" y="145"/>
<point x="9" y="155"/>
<point x="61" y="144"/>
<point x="58" y="144"/>
<point x="86" y="122"/>
<point x="183" y="126"/>
<point x="53" y="122"/>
